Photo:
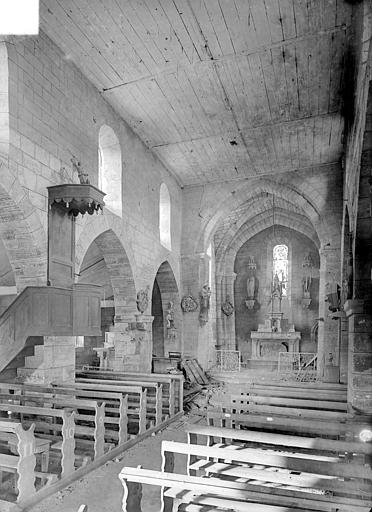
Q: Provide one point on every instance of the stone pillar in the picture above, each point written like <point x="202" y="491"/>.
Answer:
<point x="54" y="361"/>
<point x="226" y="324"/>
<point x="344" y="340"/>
<point x="194" y="273"/>
<point x="360" y="355"/>
<point x="328" y="334"/>
<point x="132" y="345"/>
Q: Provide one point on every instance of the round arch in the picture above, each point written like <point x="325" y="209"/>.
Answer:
<point x="21" y="232"/>
<point x="119" y="271"/>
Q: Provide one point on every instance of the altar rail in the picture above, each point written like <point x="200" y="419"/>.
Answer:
<point x="228" y="360"/>
<point x="298" y="366"/>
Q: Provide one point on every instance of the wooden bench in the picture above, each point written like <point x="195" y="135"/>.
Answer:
<point x="135" y="398"/>
<point x="24" y="462"/>
<point x="65" y="428"/>
<point x="303" y="447"/>
<point x="198" y="494"/>
<point x="86" y="411"/>
<point x="157" y="407"/>
<point x="240" y="466"/>
<point x="172" y="384"/>
<point x="116" y="408"/>
<point x="349" y="429"/>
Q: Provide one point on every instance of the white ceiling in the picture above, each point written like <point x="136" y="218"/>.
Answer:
<point x="218" y="89"/>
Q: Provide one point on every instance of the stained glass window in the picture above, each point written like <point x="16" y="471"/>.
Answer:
<point x="280" y="266"/>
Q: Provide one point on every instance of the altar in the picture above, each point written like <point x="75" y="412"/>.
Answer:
<point x="266" y="343"/>
<point x="275" y="334"/>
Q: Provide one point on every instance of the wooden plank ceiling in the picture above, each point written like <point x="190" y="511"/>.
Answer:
<point x="218" y="89"/>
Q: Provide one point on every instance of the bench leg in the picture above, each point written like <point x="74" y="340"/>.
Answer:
<point x="45" y="462"/>
<point x="132" y="496"/>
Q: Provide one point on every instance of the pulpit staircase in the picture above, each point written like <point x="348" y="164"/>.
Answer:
<point x="46" y="311"/>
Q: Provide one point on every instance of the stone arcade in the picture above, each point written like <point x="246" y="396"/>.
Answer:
<point x="186" y="194"/>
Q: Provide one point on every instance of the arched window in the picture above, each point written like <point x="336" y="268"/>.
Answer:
<point x="209" y="254"/>
<point x="280" y="266"/>
<point x="109" y="172"/>
<point x="165" y="217"/>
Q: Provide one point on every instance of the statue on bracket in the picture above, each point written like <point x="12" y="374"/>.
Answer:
<point x="333" y="296"/>
<point x="252" y="284"/>
<point x="83" y="177"/>
<point x="307" y="278"/>
<point x="171" y="329"/>
<point x="227" y="307"/>
<point x="143" y="299"/>
<point x="205" y="295"/>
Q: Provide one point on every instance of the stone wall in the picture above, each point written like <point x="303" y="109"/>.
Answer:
<point x="56" y="113"/>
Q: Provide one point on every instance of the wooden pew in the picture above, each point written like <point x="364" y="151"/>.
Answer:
<point x="87" y="411"/>
<point x="23" y="463"/>
<point x="172" y="383"/>
<point x="349" y="429"/>
<point x="356" y="452"/>
<point x="198" y="493"/>
<point x="294" y="407"/>
<point x="65" y="427"/>
<point x="237" y="463"/>
<point x="116" y="409"/>
<point x="136" y="400"/>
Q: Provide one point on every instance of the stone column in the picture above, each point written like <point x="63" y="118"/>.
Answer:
<point x="344" y="340"/>
<point x="328" y="334"/>
<point x="53" y="361"/>
<point x="226" y="324"/>
<point x="360" y="355"/>
<point x="132" y="344"/>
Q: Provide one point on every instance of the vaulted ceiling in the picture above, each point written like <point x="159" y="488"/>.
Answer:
<point x="217" y="89"/>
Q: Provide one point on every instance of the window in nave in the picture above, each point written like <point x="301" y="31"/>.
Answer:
<point x="110" y="169"/>
<point x="165" y="217"/>
<point x="280" y="266"/>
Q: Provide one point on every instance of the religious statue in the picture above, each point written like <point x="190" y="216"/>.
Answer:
<point x="143" y="299"/>
<point x="277" y="290"/>
<point x="170" y="316"/>
<point x="205" y="295"/>
<point x="333" y="292"/>
<point x="252" y="284"/>
<point x="83" y="177"/>
<point x="307" y="278"/>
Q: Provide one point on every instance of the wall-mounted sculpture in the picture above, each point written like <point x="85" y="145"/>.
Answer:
<point x="143" y="299"/>
<point x="252" y="284"/>
<point x="307" y="278"/>
<point x="227" y="307"/>
<point x="171" y="328"/>
<point x="189" y="304"/>
<point x="204" y="295"/>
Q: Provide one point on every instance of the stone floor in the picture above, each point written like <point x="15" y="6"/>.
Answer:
<point x="102" y="491"/>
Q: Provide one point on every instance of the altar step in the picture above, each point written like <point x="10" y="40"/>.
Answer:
<point x="264" y="365"/>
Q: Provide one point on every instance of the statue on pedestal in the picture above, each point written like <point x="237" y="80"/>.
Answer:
<point x="252" y="284"/>
<point x="205" y="295"/>
<point x="307" y="265"/>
